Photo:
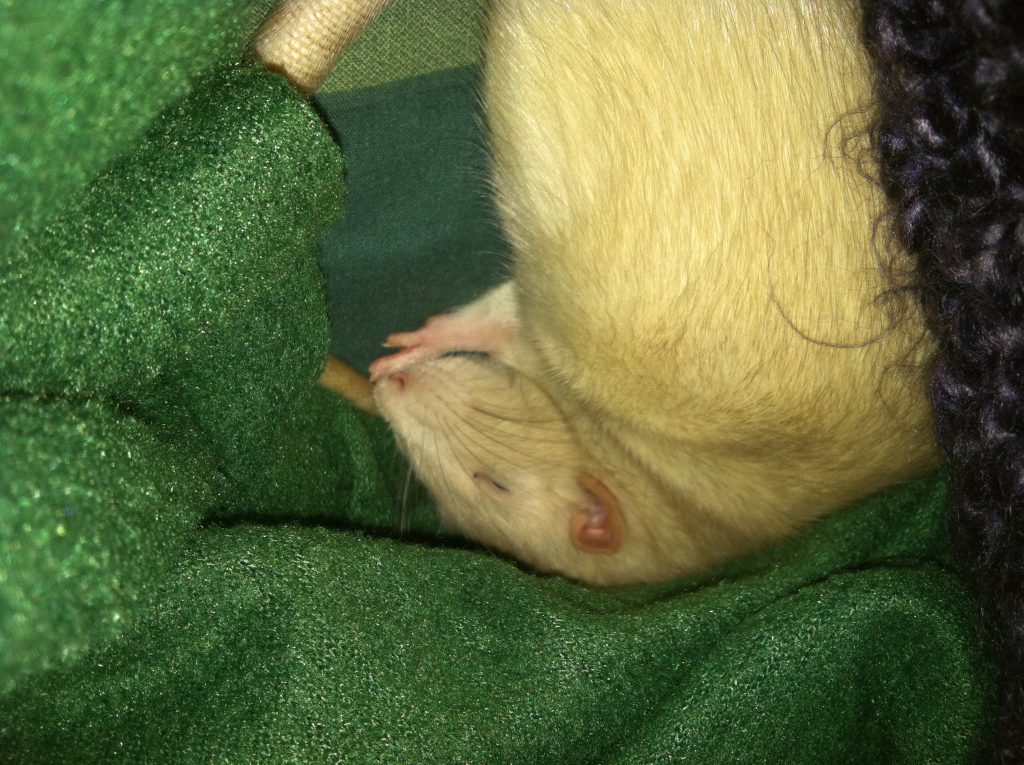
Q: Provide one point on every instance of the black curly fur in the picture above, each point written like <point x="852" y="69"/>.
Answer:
<point x="950" y="140"/>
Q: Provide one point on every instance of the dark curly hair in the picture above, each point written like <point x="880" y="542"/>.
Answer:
<point x="949" y="137"/>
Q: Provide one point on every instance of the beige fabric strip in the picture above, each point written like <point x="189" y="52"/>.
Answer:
<point x="303" y="38"/>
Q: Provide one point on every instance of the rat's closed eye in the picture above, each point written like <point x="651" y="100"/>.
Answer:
<point x="468" y="354"/>
<point x="489" y="483"/>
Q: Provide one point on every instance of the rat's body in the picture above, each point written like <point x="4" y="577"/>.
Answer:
<point x="691" y="360"/>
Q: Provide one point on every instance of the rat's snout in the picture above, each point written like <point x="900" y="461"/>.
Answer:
<point x="398" y="380"/>
<point x="391" y="393"/>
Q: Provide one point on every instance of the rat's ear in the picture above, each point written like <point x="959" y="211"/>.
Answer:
<point x="597" y="526"/>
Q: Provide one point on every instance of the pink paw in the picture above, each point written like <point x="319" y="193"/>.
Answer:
<point x="488" y="325"/>
<point x="430" y="340"/>
<point x="385" y="365"/>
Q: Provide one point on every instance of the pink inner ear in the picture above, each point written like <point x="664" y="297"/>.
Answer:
<point x="595" y="531"/>
<point x="597" y="527"/>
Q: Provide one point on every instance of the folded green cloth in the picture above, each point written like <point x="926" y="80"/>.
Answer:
<point x="199" y="560"/>
<point x="156" y="339"/>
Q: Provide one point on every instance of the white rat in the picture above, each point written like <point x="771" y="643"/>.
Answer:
<point x="691" y="360"/>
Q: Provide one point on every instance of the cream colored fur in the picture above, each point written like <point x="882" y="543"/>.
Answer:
<point x="694" y="271"/>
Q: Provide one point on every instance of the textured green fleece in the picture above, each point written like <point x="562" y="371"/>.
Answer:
<point x="297" y="643"/>
<point x="82" y="79"/>
<point x="197" y="561"/>
<point x="178" y="302"/>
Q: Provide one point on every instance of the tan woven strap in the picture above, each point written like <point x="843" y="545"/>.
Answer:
<point x="303" y="38"/>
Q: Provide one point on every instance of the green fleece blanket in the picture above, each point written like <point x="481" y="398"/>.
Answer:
<point x="199" y="554"/>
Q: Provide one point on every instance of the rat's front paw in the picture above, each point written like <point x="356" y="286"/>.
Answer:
<point x="488" y="325"/>
<point x="439" y="335"/>
<point x="385" y="365"/>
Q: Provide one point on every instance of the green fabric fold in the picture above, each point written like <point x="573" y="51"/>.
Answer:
<point x="166" y="332"/>
<point x="286" y="643"/>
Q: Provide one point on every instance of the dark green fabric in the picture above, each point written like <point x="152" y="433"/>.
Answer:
<point x="410" y="38"/>
<point x="420" y="235"/>
<point x="196" y="555"/>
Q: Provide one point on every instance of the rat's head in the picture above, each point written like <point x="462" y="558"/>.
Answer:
<point x="506" y="470"/>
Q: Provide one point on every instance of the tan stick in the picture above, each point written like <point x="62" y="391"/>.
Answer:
<point x="303" y="38"/>
<point x="340" y="378"/>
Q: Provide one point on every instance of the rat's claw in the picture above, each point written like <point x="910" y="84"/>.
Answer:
<point x="402" y="339"/>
